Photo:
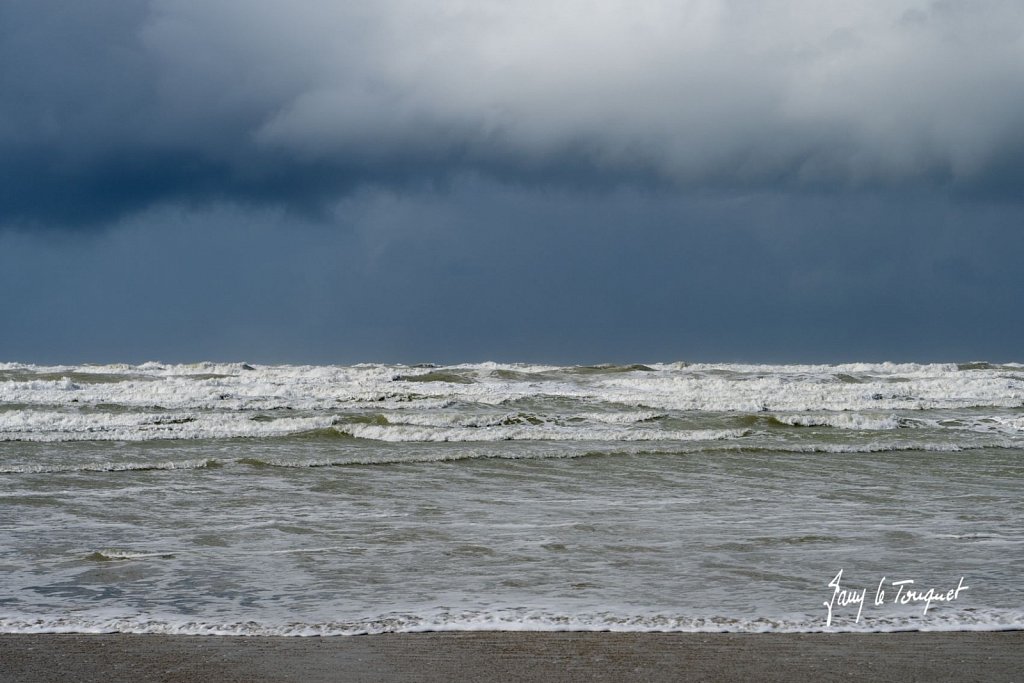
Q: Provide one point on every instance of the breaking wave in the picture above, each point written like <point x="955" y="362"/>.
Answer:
<point x="515" y="620"/>
<point x="206" y="463"/>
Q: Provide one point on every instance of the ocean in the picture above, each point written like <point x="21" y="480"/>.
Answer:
<point x="319" y="500"/>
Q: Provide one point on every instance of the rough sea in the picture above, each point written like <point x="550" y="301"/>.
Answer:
<point x="318" y="500"/>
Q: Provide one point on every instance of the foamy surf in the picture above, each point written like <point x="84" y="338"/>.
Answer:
<point x="285" y="500"/>
<point x="509" y="620"/>
<point x="677" y="387"/>
<point x="492" y="402"/>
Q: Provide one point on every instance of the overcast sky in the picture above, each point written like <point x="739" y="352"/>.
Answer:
<point x="573" y="182"/>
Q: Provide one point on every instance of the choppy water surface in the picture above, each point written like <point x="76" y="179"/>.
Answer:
<point x="217" y="498"/>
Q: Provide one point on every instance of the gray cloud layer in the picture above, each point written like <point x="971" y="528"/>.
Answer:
<point x="490" y="272"/>
<point x="111" y="106"/>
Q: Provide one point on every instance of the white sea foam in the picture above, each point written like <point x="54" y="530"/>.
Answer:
<point x="846" y="421"/>
<point x="51" y="426"/>
<point x="997" y="423"/>
<point x="698" y="387"/>
<point x="110" y="555"/>
<point x="512" y="620"/>
<point x="157" y="401"/>
<point x="405" y="433"/>
<point x="110" y="467"/>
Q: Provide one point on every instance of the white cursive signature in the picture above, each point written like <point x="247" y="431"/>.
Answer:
<point x="905" y="594"/>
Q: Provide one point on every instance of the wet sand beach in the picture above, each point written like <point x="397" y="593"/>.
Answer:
<point x="526" y="656"/>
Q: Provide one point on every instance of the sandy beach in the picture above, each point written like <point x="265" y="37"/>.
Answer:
<point x="961" y="656"/>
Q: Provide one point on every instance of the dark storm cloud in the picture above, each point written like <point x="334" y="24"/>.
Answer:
<point x="492" y="272"/>
<point x="110" y="106"/>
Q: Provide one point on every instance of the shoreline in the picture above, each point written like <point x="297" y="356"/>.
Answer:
<point x="515" y="655"/>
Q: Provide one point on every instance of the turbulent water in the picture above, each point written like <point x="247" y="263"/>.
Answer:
<point x="218" y="499"/>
